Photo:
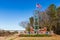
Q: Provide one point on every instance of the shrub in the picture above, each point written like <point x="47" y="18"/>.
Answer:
<point x="36" y="35"/>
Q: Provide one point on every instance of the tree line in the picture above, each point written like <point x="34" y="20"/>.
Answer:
<point x="50" y="19"/>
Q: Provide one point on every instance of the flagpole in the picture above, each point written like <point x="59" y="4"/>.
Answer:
<point x="36" y="17"/>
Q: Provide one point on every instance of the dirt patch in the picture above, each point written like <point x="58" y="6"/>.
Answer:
<point x="57" y="37"/>
<point x="2" y="38"/>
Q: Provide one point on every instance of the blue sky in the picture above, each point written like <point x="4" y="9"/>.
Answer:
<point x="12" y="12"/>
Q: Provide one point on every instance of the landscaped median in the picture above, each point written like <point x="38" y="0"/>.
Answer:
<point x="35" y="35"/>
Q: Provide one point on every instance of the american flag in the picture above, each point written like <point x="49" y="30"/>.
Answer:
<point x="38" y="5"/>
